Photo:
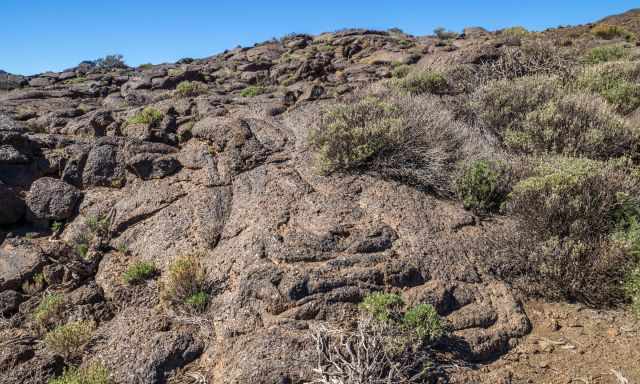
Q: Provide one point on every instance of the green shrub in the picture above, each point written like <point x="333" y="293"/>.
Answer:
<point x="443" y="34"/>
<point x="145" y="66"/>
<point x="35" y="285"/>
<point x="352" y="133"/>
<point x="50" y="309"/>
<point x="382" y="306"/>
<point x="575" y="125"/>
<point x="98" y="225"/>
<point x="198" y="301"/>
<point x="516" y="31"/>
<point x="483" y="185"/>
<point x="609" y="32"/>
<point x="400" y="71"/>
<point x="185" y="282"/>
<point x="191" y="89"/>
<point x="418" y="83"/>
<point x="425" y="322"/>
<point x="410" y="139"/>
<point x="93" y="374"/>
<point x="56" y="226"/>
<point x="67" y="340"/>
<point x="252" y="91"/>
<point x="632" y="289"/>
<point x="605" y="53"/>
<point x="566" y="197"/>
<point x="578" y="247"/>
<point x="149" y="115"/>
<point x="503" y="104"/>
<point x="617" y="82"/>
<point x="138" y="272"/>
<point x="175" y="72"/>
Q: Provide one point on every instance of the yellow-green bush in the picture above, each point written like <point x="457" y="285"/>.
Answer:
<point x="503" y="104"/>
<point x="605" y="53"/>
<point x="617" y="82"/>
<point x="483" y="185"/>
<point x="400" y="71"/>
<point x="410" y="139"/>
<point x="185" y="283"/>
<point x="50" y="309"/>
<point x="138" y="272"/>
<point x="67" y="340"/>
<point x="93" y="374"/>
<point x="632" y="288"/>
<point x="569" y="223"/>
<point x="191" y="89"/>
<point x="425" y="322"/>
<point x="575" y="125"/>
<point x="382" y="306"/>
<point x="609" y="32"/>
<point x="149" y="115"/>
<point x="252" y="91"/>
<point x="418" y="83"/>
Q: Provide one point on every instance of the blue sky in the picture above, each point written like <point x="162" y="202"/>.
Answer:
<point x="40" y="35"/>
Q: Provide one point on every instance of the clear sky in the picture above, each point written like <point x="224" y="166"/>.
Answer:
<point x="41" y="35"/>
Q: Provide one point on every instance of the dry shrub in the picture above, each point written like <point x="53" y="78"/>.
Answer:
<point x="570" y="233"/>
<point x="191" y="89"/>
<point x="574" y="125"/>
<point x="609" y="32"/>
<point x="411" y="139"/>
<point x="533" y="57"/>
<point x="50" y="310"/>
<point x="67" y="340"/>
<point x="185" y="283"/>
<point x="374" y="353"/>
<point x="503" y="104"/>
<point x="618" y="82"/>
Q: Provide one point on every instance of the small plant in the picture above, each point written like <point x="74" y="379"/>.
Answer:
<point x="98" y="225"/>
<point x="382" y="306"/>
<point x="67" y="340"/>
<point x="483" y="186"/>
<point x="400" y="71"/>
<point x="35" y="285"/>
<point x="175" y="72"/>
<point x="516" y="31"/>
<point x="191" y="89"/>
<point x="56" y="226"/>
<point x="443" y="34"/>
<point x="198" y="301"/>
<point x="252" y="91"/>
<point x="424" y="82"/>
<point x="609" y="32"/>
<point x="138" y="272"/>
<point x="425" y="322"/>
<point x="150" y="116"/>
<point x="632" y="289"/>
<point x="605" y="53"/>
<point x="122" y="248"/>
<point x="93" y="374"/>
<point x="185" y="283"/>
<point x="50" y="309"/>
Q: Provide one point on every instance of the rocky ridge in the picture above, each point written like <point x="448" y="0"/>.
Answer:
<point x="227" y="175"/>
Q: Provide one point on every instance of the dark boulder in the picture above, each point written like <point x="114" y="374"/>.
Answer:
<point x="52" y="199"/>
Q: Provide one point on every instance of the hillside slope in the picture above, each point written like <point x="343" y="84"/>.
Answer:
<point x="205" y="176"/>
